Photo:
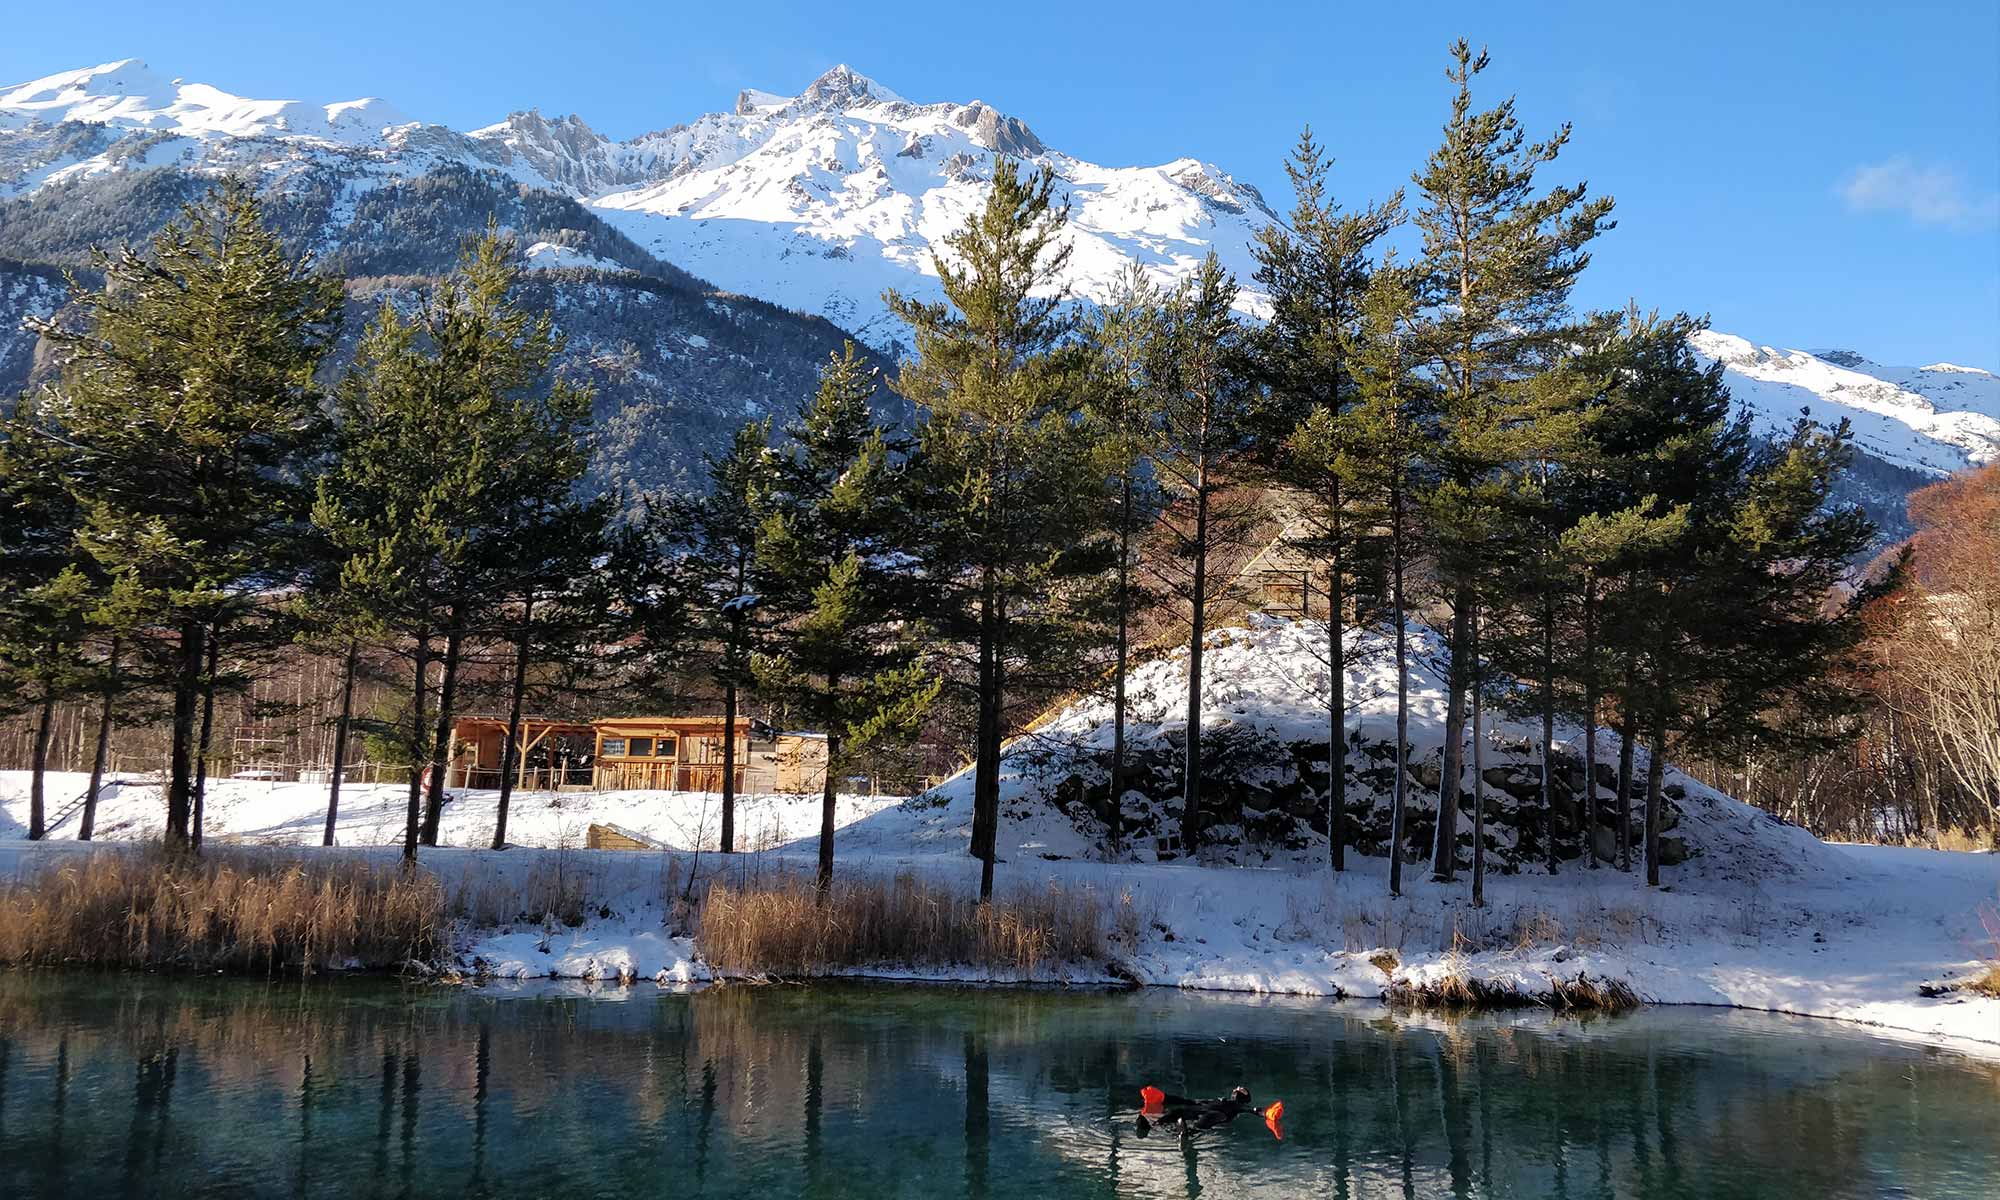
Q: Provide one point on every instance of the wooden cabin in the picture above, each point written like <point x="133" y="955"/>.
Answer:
<point x="554" y="754"/>
<point x="637" y="754"/>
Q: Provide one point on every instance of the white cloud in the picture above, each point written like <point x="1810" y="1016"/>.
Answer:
<point x="1929" y="194"/>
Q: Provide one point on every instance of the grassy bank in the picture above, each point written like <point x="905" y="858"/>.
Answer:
<point x="779" y="926"/>
<point x="223" y="911"/>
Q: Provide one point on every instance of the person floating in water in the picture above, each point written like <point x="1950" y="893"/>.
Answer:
<point x="1194" y="1116"/>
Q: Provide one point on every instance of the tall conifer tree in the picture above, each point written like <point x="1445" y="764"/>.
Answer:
<point x="1205" y="432"/>
<point x="1315" y="271"/>
<point x="1500" y="258"/>
<point x="188" y="395"/>
<point x="1002" y="485"/>
<point x="723" y="529"/>
<point x="1124" y="405"/>
<point x="840" y="658"/>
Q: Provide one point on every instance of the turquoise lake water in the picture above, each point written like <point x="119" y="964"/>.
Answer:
<point x="142" y="1086"/>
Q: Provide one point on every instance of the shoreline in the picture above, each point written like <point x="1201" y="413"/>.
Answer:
<point x="1770" y="920"/>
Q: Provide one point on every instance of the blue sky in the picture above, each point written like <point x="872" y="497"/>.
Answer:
<point x="1812" y="175"/>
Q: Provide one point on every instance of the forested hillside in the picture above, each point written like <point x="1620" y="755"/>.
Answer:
<point x="676" y="364"/>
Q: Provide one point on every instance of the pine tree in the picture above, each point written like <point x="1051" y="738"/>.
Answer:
<point x="1123" y="405"/>
<point x="1500" y="261"/>
<point x="1377" y="449"/>
<point x="330" y="621"/>
<point x="1001" y="488"/>
<point x="188" y="397"/>
<point x="1316" y="272"/>
<point x="1538" y="444"/>
<point x="723" y="528"/>
<point x="1750" y="630"/>
<point x="1663" y="449"/>
<point x="388" y="503"/>
<point x="1205" y="431"/>
<point x="451" y="494"/>
<point x="49" y="599"/>
<point x="841" y="658"/>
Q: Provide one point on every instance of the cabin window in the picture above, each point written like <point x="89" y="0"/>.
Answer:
<point x="669" y="745"/>
<point x="612" y="748"/>
<point x="641" y="748"/>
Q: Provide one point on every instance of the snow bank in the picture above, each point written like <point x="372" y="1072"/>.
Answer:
<point x="1760" y="915"/>
<point x="265" y="812"/>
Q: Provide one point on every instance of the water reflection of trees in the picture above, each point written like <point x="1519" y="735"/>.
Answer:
<point x="824" y="1092"/>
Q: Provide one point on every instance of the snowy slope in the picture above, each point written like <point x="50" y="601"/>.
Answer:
<point x="1269" y="677"/>
<point x="1934" y="419"/>
<point x="130" y="95"/>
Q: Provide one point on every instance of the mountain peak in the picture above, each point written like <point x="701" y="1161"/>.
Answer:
<point x="843" y="87"/>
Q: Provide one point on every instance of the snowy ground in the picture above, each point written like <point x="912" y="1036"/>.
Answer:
<point x="283" y="813"/>
<point x="1850" y="932"/>
<point x="1761" y="915"/>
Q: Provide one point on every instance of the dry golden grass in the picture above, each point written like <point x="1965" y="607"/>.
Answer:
<point x="221" y="911"/>
<point x="1988" y="983"/>
<point x="1457" y="990"/>
<point x="1970" y="840"/>
<point x="1583" y="994"/>
<point x="777" y="926"/>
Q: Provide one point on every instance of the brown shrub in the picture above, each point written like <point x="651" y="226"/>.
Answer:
<point x="779" y="926"/>
<point x="222" y="911"/>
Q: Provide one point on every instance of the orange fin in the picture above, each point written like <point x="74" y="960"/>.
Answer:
<point x="1274" y="1120"/>
<point x="1152" y="1099"/>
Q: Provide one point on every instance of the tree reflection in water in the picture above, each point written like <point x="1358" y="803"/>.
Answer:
<point x="353" y="1090"/>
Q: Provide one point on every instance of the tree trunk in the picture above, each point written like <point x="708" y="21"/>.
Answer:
<point x="1399" y="796"/>
<point x="1478" y="773"/>
<point x="1336" y="717"/>
<point x="511" y="756"/>
<point x="826" y="802"/>
<point x="728" y="841"/>
<point x="454" y="641"/>
<point x="1444" y="851"/>
<point x="1628" y="729"/>
<point x="990" y="799"/>
<point x="88" y="828"/>
<point x="1590" y="815"/>
<point x="207" y="723"/>
<point x="984" y="769"/>
<point x="1191" y="777"/>
<point x="1115" y="819"/>
<point x="1549" y="732"/>
<point x="1656" y="765"/>
<point x="187" y="697"/>
<point x="38" y="778"/>
<point x="340" y="727"/>
<point x="419" y="705"/>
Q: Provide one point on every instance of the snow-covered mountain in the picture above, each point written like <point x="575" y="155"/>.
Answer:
<point x="131" y="95"/>
<point x="815" y="202"/>
<point x="1931" y="420"/>
<point x="823" y="200"/>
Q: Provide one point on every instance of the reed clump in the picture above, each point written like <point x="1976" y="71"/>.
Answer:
<point x="1987" y="983"/>
<point x="222" y="911"/>
<point x="780" y="926"/>
<point x="1456" y="990"/>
